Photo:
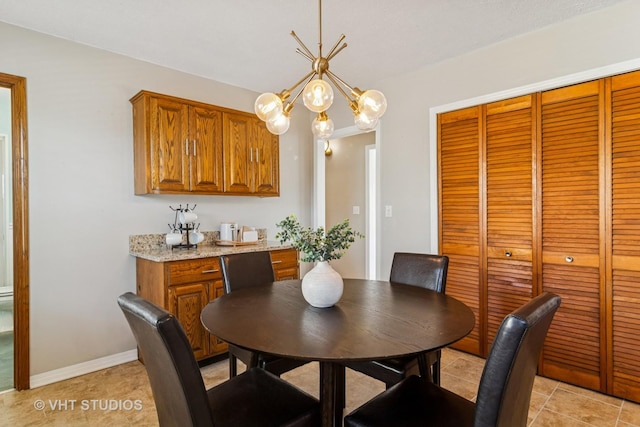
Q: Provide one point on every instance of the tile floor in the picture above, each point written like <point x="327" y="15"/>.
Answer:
<point x="121" y="396"/>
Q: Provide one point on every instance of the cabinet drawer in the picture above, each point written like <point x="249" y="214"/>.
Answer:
<point x="284" y="258"/>
<point x="194" y="270"/>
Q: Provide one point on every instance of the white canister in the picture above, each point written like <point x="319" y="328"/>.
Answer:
<point x="228" y="231"/>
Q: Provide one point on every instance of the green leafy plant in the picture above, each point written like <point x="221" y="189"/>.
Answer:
<point x="316" y="245"/>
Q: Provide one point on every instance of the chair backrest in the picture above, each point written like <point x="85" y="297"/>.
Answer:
<point x="176" y="381"/>
<point x="424" y="270"/>
<point x="245" y="270"/>
<point x="505" y="388"/>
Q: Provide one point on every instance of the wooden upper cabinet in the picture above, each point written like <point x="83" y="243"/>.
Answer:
<point x="205" y="125"/>
<point x="266" y="161"/>
<point x="168" y="134"/>
<point x="251" y="164"/>
<point x="238" y="148"/>
<point x="183" y="146"/>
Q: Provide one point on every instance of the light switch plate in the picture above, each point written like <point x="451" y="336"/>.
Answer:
<point x="388" y="211"/>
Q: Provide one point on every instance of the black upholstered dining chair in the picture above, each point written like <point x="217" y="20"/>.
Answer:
<point x="414" y="269"/>
<point x="504" y="391"/>
<point x="244" y="270"/>
<point x="254" y="398"/>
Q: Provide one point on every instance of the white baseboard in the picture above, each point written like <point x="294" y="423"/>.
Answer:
<point x="83" y="368"/>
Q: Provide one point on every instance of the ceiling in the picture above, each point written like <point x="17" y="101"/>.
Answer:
<point x="246" y="43"/>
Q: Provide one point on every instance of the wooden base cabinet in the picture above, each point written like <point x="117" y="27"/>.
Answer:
<point x="185" y="287"/>
<point x="541" y="193"/>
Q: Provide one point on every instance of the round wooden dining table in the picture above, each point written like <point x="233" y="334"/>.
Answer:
<point x="373" y="320"/>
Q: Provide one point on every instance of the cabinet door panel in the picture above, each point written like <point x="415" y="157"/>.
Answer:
<point x="266" y="160"/>
<point x="186" y="303"/>
<point x="459" y="186"/>
<point x="510" y="132"/>
<point x="169" y="133"/>
<point x="216" y="345"/>
<point x="206" y="158"/>
<point x="237" y="153"/>
<point x="625" y="225"/>
<point x="571" y="229"/>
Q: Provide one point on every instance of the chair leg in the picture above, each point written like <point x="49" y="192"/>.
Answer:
<point x="436" y="372"/>
<point x="233" y="366"/>
<point x="341" y="386"/>
<point x="425" y="369"/>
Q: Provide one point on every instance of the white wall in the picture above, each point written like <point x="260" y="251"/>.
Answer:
<point x="82" y="206"/>
<point x="592" y="41"/>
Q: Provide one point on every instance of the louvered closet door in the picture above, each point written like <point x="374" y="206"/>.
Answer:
<point x="572" y="250"/>
<point x="459" y="215"/>
<point x="625" y="226"/>
<point x="510" y="145"/>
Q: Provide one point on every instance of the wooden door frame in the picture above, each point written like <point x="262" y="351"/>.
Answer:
<point x="18" y="87"/>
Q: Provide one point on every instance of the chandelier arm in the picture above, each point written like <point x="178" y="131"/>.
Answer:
<point x="330" y="57"/>
<point x="306" y="49"/>
<point x="301" y="52"/>
<point x="335" y="80"/>
<point x="331" y="54"/>
<point x="309" y="76"/>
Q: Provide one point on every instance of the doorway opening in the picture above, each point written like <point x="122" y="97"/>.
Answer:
<point x="6" y="247"/>
<point x="346" y="184"/>
<point x="15" y="228"/>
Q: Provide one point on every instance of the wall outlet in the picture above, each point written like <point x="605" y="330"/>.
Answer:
<point x="356" y="210"/>
<point x="388" y="211"/>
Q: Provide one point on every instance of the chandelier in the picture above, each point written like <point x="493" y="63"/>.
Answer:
<point x="317" y="95"/>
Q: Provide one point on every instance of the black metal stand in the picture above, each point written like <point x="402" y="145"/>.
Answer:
<point x="183" y="228"/>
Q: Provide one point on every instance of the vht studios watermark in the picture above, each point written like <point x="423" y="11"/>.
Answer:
<point x="88" y="405"/>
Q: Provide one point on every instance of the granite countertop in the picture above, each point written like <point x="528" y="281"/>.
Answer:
<point x="152" y="247"/>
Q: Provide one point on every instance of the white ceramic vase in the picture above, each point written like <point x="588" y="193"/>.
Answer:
<point x="322" y="286"/>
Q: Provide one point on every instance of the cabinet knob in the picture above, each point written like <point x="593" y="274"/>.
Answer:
<point x="568" y="259"/>
<point x="507" y="254"/>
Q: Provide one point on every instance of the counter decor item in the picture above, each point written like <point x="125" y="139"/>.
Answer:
<point x="322" y="286"/>
<point x="184" y="224"/>
<point x="232" y="235"/>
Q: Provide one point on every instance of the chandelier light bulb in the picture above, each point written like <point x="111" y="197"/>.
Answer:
<point x="322" y="126"/>
<point x="279" y="124"/>
<point x="372" y="103"/>
<point x="317" y="95"/>
<point x="364" y="122"/>
<point x="267" y="106"/>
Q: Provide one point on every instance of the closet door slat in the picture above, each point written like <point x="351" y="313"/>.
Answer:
<point x="459" y="216"/>
<point x="625" y="230"/>
<point x="509" y="208"/>
<point x="571" y="144"/>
